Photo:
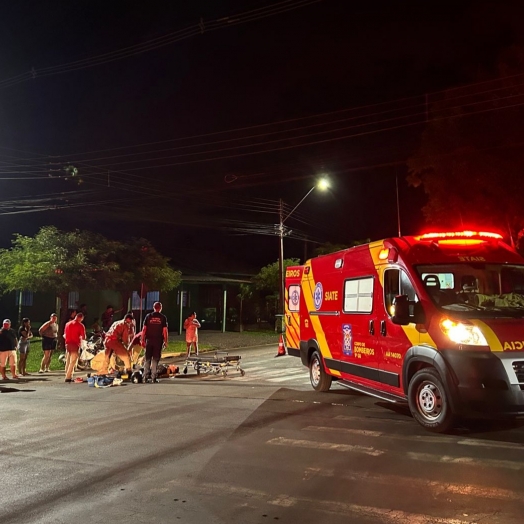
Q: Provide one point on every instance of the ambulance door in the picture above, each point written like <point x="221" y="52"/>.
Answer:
<point x="395" y="340"/>
<point x="292" y="313"/>
<point x="359" y="329"/>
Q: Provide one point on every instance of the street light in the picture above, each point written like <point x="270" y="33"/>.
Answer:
<point x="322" y="184"/>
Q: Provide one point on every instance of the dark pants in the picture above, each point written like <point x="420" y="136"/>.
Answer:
<point x="153" y="353"/>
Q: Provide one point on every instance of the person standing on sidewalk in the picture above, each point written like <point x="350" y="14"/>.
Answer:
<point x="8" y="345"/>
<point x="191" y="325"/>
<point x="24" y="335"/>
<point x="118" y="340"/>
<point x="49" y="333"/>
<point x="154" y="337"/>
<point x="74" y="333"/>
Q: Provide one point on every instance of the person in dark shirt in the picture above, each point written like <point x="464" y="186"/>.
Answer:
<point x="24" y="336"/>
<point x="107" y="317"/>
<point x="8" y="345"/>
<point x="154" y="337"/>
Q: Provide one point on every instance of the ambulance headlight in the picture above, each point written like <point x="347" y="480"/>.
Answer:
<point x="462" y="333"/>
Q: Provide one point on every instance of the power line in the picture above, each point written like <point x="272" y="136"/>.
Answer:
<point x="158" y="42"/>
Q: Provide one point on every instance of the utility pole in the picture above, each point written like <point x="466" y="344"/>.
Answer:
<point x="281" y="262"/>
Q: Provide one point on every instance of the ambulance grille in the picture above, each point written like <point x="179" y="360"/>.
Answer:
<point x="518" y="367"/>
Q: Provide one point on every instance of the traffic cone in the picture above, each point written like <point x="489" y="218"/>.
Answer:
<point x="281" y="347"/>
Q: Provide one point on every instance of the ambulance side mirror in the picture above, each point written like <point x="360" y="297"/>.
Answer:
<point x="401" y="311"/>
<point x="402" y="315"/>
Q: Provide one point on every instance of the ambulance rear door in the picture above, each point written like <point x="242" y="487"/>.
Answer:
<point x="293" y="299"/>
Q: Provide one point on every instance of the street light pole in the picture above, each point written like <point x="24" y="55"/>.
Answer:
<point x="322" y="184"/>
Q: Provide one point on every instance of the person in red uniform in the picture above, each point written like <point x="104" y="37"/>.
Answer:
<point x="74" y="333"/>
<point x="154" y="337"/>
<point x="118" y="340"/>
<point x="191" y="325"/>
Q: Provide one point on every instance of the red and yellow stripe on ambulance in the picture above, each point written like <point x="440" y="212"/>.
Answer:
<point x="309" y="286"/>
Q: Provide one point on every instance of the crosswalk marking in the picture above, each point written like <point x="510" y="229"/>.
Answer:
<point x="356" y="512"/>
<point x="273" y="375"/>
<point x="331" y="446"/>
<point x="467" y="461"/>
<point x="284" y="379"/>
<point x="427" y="439"/>
<point x="422" y="483"/>
<point x="422" y="457"/>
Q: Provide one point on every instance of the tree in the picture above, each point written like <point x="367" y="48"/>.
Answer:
<point x="470" y="159"/>
<point x="60" y="262"/>
<point x="268" y="279"/>
<point x="246" y="292"/>
<point x="142" y="265"/>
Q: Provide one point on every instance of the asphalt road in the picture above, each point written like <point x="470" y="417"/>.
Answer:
<point x="252" y="449"/>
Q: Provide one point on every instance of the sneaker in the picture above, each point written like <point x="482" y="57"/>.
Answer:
<point x="117" y="381"/>
<point x="40" y="371"/>
<point x="46" y="370"/>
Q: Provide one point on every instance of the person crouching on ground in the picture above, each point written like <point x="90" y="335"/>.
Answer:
<point x="117" y="340"/>
<point x="74" y="333"/>
<point x="154" y="337"/>
<point x="8" y="344"/>
<point x="24" y="336"/>
<point x="191" y="325"/>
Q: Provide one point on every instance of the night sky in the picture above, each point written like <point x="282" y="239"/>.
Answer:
<point x="202" y="136"/>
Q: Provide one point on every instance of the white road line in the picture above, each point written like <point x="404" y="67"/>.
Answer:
<point x="437" y="488"/>
<point x="467" y="461"/>
<point x="330" y="446"/>
<point x="304" y="380"/>
<point x="426" y="439"/>
<point x="351" y="511"/>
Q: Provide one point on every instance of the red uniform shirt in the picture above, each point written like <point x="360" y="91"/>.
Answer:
<point x="74" y="332"/>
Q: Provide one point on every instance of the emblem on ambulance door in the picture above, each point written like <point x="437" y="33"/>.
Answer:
<point x="295" y="297"/>
<point x="318" y="295"/>
<point x="347" y="342"/>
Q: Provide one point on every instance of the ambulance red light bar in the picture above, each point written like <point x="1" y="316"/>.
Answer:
<point x="460" y="237"/>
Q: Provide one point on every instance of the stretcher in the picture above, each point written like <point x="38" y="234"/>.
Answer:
<point x="220" y="362"/>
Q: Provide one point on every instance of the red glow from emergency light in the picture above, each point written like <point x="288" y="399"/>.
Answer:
<point x="480" y="235"/>
<point x="461" y="241"/>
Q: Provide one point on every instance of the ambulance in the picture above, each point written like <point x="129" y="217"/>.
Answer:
<point x="435" y="321"/>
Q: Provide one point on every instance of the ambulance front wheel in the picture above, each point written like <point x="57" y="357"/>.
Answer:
<point x="428" y="401"/>
<point x="320" y="380"/>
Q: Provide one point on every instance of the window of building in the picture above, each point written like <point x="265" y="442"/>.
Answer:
<point x="151" y="298"/>
<point x="27" y="298"/>
<point x="185" y="298"/>
<point x="135" y="301"/>
<point x="72" y="299"/>
<point x="358" y="295"/>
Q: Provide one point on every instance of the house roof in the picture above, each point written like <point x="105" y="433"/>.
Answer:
<point x="213" y="279"/>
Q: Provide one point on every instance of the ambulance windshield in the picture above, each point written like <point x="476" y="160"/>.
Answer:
<point x="494" y="288"/>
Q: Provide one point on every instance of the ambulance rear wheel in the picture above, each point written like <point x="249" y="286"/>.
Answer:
<point x="428" y="401"/>
<point x="320" y="380"/>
